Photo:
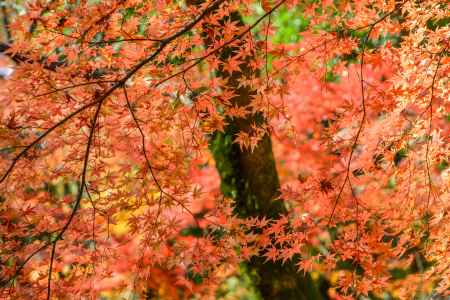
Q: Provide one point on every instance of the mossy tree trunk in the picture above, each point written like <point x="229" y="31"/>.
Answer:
<point x="250" y="178"/>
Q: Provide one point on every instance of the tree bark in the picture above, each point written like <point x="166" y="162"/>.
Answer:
<point x="250" y="178"/>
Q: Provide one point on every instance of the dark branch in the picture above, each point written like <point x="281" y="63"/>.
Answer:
<point x="79" y="195"/>
<point x="40" y="138"/>
<point x="214" y="51"/>
<point x="118" y="84"/>
<point x="73" y="86"/>
<point x="144" y="151"/>
<point x="363" y="104"/>
<point x="99" y="101"/>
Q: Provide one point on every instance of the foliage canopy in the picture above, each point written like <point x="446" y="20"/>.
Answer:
<point x="120" y="119"/>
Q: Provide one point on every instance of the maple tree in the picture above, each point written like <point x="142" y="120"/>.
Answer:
<point x="160" y="148"/>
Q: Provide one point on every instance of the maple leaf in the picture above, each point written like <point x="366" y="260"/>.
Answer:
<point x="271" y="254"/>
<point x="232" y="65"/>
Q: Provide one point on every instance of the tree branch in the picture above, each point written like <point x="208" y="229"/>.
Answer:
<point x="99" y="101"/>
<point x="117" y="85"/>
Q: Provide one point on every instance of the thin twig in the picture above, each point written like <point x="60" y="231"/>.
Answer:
<point x="144" y="151"/>
<point x="363" y="104"/>
<point x="79" y="195"/>
<point x="99" y="101"/>
<point x="117" y="85"/>
<point x="43" y="135"/>
<point x="200" y="59"/>
<point x="430" y="127"/>
<point x="73" y="86"/>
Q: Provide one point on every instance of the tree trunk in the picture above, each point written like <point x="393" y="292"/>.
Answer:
<point x="250" y="178"/>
